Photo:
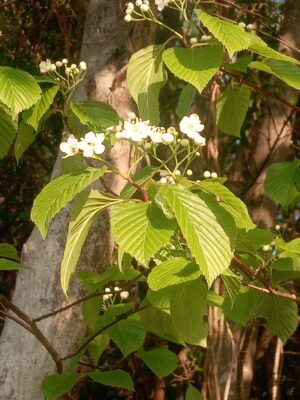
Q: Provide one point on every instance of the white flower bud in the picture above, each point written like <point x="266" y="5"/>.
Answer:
<point x="167" y="138"/>
<point x="199" y="140"/>
<point x="82" y="66"/>
<point x="163" y="180"/>
<point x="189" y="172"/>
<point x="124" y="295"/>
<point x="144" y="8"/>
<point x="138" y="3"/>
<point x="107" y="290"/>
<point x="184" y="142"/>
<point x="266" y="247"/>
<point x="171" y="180"/>
<point x="177" y="172"/>
<point x="277" y="227"/>
<point x="242" y="25"/>
<point x="67" y="70"/>
<point x="249" y="27"/>
<point x="58" y="64"/>
<point x="53" y="67"/>
<point x="73" y="66"/>
<point x="64" y="61"/>
<point x="116" y="289"/>
<point x="106" y="297"/>
<point x="193" y="40"/>
<point x="206" y="174"/>
<point x="163" y="173"/>
<point x="130" y="5"/>
<point x="214" y="175"/>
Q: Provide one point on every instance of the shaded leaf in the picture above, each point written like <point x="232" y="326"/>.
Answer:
<point x="161" y="361"/>
<point x="8" y="129"/>
<point x="95" y="114"/>
<point x="54" y="386"/>
<point x="8" y="251"/>
<point x="185" y="101"/>
<point x="41" y="107"/>
<point x="9" y="265"/>
<point x="114" y="378"/>
<point x="232" y="107"/>
<point x="282" y="182"/>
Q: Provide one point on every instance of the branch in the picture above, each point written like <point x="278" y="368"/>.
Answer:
<point x="101" y="330"/>
<point x="268" y="289"/>
<point x="4" y="315"/>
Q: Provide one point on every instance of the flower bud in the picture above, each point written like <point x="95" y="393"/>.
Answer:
<point x="193" y="40"/>
<point x="184" y="142"/>
<point x="189" y="172"/>
<point x="64" y="61"/>
<point x="144" y="8"/>
<point x="82" y="66"/>
<point x="206" y="174"/>
<point x="214" y="175"/>
<point x="124" y="295"/>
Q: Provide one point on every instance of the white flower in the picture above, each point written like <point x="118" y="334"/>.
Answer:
<point x="167" y="138"/>
<point x="124" y="295"/>
<point x="127" y="18"/>
<point x="58" y="64"/>
<point x="82" y="66"/>
<point x="156" y="135"/>
<point x="214" y="175"/>
<point x="88" y="150"/>
<point x="199" y="140"/>
<point x="138" y="3"/>
<point x="92" y="144"/>
<point x="64" y="61"/>
<point x="70" y="147"/>
<point x="130" y="5"/>
<point x="135" y="130"/>
<point x="107" y="290"/>
<point x="206" y="174"/>
<point x="191" y="126"/>
<point x="53" y="67"/>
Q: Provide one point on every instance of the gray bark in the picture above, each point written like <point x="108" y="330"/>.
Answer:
<point x="24" y="361"/>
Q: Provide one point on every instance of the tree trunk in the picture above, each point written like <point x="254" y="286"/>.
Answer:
<point x="24" y="361"/>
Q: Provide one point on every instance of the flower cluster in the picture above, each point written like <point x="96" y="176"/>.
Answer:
<point x="142" y="7"/>
<point x="108" y="293"/>
<point x="138" y="131"/>
<point x="208" y="174"/>
<point x="47" y="66"/>
<point x="248" y="27"/>
<point x="90" y="145"/>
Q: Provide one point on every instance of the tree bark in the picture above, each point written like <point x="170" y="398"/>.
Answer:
<point x="24" y="361"/>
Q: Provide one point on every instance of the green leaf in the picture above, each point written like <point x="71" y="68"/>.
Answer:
<point x="128" y="335"/>
<point x="196" y="66"/>
<point x="141" y="229"/>
<point x="172" y="272"/>
<point x="141" y="177"/>
<point x="259" y="46"/>
<point x="8" y="129"/>
<point x="54" y="386"/>
<point x="231" y="35"/>
<point x="159" y="323"/>
<point x="115" y="378"/>
<point x="96" y="115"/>
<point x="241" y="64"/>
<point x="232" y="107"/>
<point x="258" y="237"/>
<point x="188" y="308"/>
<point x="282" y="182"/>
<point x="58" y="193"/>
<point x="229" y="202"/>
<point x="281" y="315"/>
<point x="87" y="206"/>
<point x="93" y="281"/>
<point x="41" y="107"/>
<point x="8" y="251"/>
<point x="19" y="90"/>
<point x="9" y="265"/>
<point x="193" y="394"/>
<point x="161" y="361"/>
<point x="162" y="298"/>
<point x="243" y="308"/>
<point x="146" y="75"/>
<point x="25" y="137"/>
<point x="232" y="283"/>
<point x="115" y="311"/>
<point x="286" y="71"/>
<point x="186" y="98"/>
<point x="205" y="237"/>
<point x="90" y="312"/>
<point x="72" y="164"/>
<point x="283" y="276"/>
